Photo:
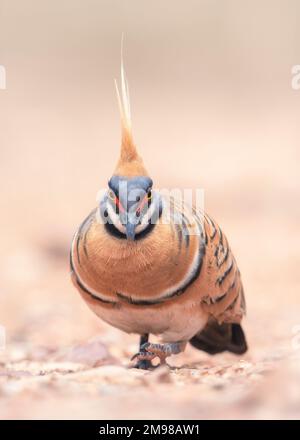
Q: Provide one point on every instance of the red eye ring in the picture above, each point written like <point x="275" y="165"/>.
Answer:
<point x="119" y="204"/>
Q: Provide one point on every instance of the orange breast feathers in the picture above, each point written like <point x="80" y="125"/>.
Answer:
<point x="192" y="257"/>
<point x="145" y="269"/>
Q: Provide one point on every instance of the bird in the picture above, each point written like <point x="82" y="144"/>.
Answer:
<point x="150" y="265"/>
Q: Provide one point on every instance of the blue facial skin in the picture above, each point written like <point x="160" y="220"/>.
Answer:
<point x="130" y="192"/>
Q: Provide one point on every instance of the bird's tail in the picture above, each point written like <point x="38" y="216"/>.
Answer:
<point x="215" y="338"/>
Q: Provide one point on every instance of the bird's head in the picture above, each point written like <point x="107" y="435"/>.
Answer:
<point x="130" y="207"/>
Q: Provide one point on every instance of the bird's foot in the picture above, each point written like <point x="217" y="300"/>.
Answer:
<point x="162" y="351"/>
<point x="143" y="360"/>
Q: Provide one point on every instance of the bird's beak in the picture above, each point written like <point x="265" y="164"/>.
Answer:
<point x="130" y="230"/>
<point x="129" y="221"/>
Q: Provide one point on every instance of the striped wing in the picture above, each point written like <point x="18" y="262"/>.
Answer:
<point x="225" y="299"/>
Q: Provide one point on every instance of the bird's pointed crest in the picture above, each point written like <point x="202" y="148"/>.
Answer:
<point x="130" y="163"/>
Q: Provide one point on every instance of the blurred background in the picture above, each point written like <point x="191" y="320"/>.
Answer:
<point x="212" y="107"/>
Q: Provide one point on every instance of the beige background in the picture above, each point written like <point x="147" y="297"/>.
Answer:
<point x="212" y="107"/>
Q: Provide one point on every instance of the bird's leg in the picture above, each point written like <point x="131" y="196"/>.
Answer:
<point x="143" y="357"/>
<point x="163" y="350"/>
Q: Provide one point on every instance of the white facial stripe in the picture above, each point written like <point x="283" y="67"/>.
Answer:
<point x="145" y="220"/>
<point x="115" y="219"/>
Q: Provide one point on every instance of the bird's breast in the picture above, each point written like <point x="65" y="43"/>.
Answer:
<point x="148" y="270"/>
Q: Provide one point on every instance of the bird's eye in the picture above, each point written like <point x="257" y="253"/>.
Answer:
<point x="149" y="194"/>
<point x="111" y="195"/>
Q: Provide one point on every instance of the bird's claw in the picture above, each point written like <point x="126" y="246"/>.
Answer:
<point x="144" y="359"/>
<point x="143" y="355"/>
<point x="164" y="350"/>
<point x="149" y="351"/>
<point x="157" y="350"/>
